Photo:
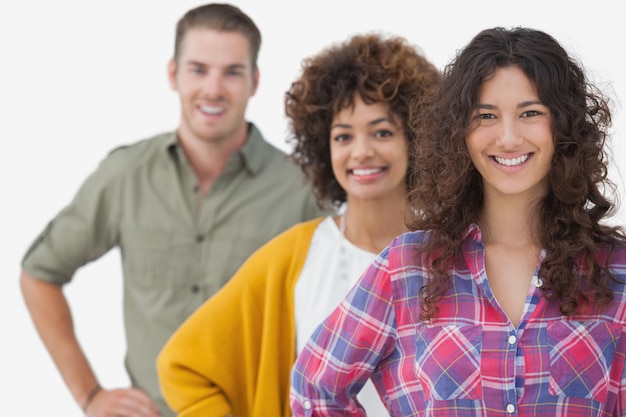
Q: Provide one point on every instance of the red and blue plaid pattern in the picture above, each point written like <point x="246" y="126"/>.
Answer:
<point x="469" y="361"/>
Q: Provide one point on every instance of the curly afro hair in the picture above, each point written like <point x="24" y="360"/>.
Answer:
<point x="376" y="67"/>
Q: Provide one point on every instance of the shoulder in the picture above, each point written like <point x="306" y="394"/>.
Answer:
<point x="288" y="248"/>
<point x="123" y="161"/>
<point x="406" y="249"/>
<point x="279" y="261"/>
<point x="265" y="156"/>
<point x="616" y="256"/>
<point x="415" y="240"/>
<point x="141" y="150"/>
<point x="297" y="237"/>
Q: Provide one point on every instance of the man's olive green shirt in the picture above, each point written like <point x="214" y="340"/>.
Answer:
<point x="178" y="247"/>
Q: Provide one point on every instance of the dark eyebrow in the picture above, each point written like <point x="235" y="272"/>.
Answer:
<point x="372" y="123"/>
<point x="237" y="67"/>
<point x="519" y="106"/>
<point x="529" y="103"/>
<point x="201" y="64"/>
<point x="195" y="64"/>
<point x="377" y="121"/>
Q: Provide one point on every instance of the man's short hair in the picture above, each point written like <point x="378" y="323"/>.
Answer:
<point x="222" y="18"/>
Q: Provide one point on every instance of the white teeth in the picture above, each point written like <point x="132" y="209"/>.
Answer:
<point x="211" y="109"/>
<point x="368" y="171"/>
<point x="513" y="161"/>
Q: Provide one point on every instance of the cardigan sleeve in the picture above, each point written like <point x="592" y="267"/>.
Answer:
<point x="214" y="364"/>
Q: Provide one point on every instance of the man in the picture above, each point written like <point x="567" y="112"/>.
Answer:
<point x="186" y="209"/>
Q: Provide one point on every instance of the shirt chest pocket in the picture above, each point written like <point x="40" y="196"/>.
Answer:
<point x="581" y="354"/>
<point x="448" y="362"/>
<point x="154" y="259"/>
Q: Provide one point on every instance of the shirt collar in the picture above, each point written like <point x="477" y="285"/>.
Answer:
<point x="473" y="232"/>
<point x="252" y="155"/>
<point x="255" y="151"/>
<point x="170" y="144"/>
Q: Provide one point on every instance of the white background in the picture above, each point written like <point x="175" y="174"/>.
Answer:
<point x="78" y="78"/>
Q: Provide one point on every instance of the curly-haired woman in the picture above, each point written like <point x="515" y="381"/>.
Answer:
<point x="349" y="113"/>
<point x="509" y="297"/>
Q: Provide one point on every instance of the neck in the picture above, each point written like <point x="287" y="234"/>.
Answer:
<point x="372" y="224"/>
<point x="509" y="221"/>
<point x="208" y="158"/>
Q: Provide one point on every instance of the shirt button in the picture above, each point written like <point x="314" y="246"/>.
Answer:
<point x="199" y="238"/>
<point x="510" y="408"/>
<point x="307" y="404"/>
<point x="512" y="340"/>
<point x="195" y="288"/>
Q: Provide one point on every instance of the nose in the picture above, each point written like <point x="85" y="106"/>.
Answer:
<point x="362" y="148"/>
<point x="509" y="136"/>
<point x="212" y="86"/>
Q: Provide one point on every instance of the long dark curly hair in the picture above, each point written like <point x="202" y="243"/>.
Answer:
<point x="447" y="195"/>
<point x="378" y="68"/>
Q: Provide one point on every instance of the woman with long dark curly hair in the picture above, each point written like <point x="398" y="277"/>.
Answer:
<point x="349" y="113"/>
<point x="509" y="297"/>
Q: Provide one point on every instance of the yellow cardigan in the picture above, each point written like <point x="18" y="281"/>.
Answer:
<point x="233" y="356"/>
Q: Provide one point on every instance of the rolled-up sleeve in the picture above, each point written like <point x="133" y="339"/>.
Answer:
<point x="81" y="232"/>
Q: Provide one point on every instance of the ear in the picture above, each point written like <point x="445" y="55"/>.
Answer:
<point x="171" y="74"/>
<point x="255" y="81"/>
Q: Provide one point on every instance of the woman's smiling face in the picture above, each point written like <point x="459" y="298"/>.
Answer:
<point x="368" y="151"/>
<point x="510" y="141"/>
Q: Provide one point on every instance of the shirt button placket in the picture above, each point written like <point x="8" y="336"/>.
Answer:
<point x="195" y="288"/>
<point x="512" y="341"/>
<point x="308" y="407"/>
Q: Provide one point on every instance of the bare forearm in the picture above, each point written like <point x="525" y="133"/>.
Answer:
<point x="52" y="318"/>
<point x="51" y="315"/>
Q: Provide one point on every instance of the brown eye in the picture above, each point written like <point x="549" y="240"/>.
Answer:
<point x="531" y="113"/>
<point x="383" y="133"/>
<point x="341" y="138"/>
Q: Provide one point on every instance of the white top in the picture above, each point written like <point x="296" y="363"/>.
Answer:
<point x="333" y="265"/>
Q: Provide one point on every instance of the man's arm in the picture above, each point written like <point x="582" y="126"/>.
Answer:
<point x="52" y="318"/>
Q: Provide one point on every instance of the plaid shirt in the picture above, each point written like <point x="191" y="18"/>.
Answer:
<point x="470" y="360"/>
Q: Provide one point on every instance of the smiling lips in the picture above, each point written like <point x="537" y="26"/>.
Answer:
<point x="366" y="173"/>
<point x="211" y="110"/>
<point x="511" y="162"/>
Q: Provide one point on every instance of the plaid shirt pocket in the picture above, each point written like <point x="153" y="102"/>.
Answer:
<point x="581" y="354"/>
<point x="448" y="362"/>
